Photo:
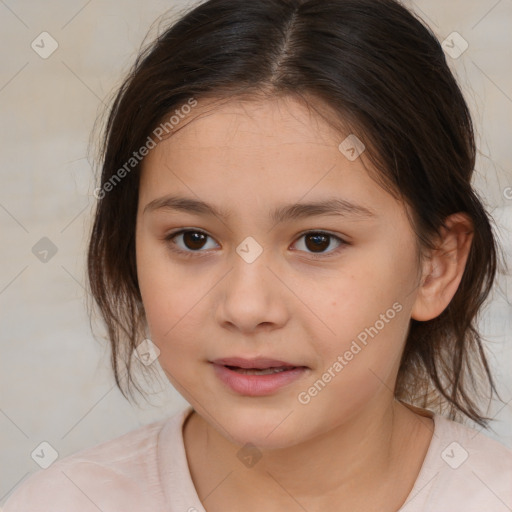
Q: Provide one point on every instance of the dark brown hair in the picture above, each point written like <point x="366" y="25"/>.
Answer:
<point x="383" y="74"/>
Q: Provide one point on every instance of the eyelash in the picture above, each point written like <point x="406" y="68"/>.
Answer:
<point x="188" y="254"/>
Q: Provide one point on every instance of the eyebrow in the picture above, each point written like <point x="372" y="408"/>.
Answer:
<point x="331" y="206"/>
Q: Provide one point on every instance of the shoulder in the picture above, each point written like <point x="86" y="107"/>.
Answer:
<point x="471" y="470"/>
<point x="113" y="475"/>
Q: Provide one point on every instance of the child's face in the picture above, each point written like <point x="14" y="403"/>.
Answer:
<point x="249" y="159"/>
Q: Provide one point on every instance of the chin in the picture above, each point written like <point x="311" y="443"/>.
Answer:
<point x="267" y="429"/>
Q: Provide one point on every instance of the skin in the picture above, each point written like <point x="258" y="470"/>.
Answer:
<point x="249" y="157"/>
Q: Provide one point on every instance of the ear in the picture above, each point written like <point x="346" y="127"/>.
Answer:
<point x="443" y="268"/>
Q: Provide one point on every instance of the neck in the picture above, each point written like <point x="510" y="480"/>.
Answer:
<point x="365" y="452"/>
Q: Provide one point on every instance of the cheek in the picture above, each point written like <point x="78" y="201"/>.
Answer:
<point x="354" y="298"/>
<point x="174" y="303"/>
<point x="163" y="295"/>
<point x="366" y="309"/>
<point x="171" y="315"/>
<point x="360" y="363"/>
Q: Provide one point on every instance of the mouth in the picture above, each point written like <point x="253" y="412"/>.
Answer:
<point x="257" y="376"/>
<point x="259" y="364"/>
<point x="259" y="371"/>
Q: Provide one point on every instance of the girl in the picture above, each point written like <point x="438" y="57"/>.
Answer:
<point x="286" y="225"/>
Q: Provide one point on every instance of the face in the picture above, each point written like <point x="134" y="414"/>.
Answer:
<point x="326" y="293"/>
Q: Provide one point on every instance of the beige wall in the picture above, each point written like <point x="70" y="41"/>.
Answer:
<point x="55" y="380"/>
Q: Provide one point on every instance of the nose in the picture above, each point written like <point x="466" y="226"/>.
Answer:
<point x="252" y="298"/>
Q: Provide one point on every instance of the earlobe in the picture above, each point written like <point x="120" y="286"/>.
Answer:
<point x="443" y="268"/>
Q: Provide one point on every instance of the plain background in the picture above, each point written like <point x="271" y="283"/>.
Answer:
<point x="55" y="379"/>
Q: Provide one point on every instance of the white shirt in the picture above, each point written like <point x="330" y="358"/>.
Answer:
<point x="147" y="470"/>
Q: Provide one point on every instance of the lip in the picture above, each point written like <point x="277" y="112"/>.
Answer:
<point x="256" y="385"/>
<point x="256" y="362"/>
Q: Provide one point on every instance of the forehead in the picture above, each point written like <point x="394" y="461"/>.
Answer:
<point x="254" y="131"/>
<point x="274" y="119"/>
<point x="246" y="151"/>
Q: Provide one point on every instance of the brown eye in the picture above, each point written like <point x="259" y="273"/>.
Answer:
<point x="194" y="239"/>
<point x="317" y="242"/>
<point x="191" y="241"/>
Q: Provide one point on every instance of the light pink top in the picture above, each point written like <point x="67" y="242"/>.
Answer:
<point x="147" y="470"/>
